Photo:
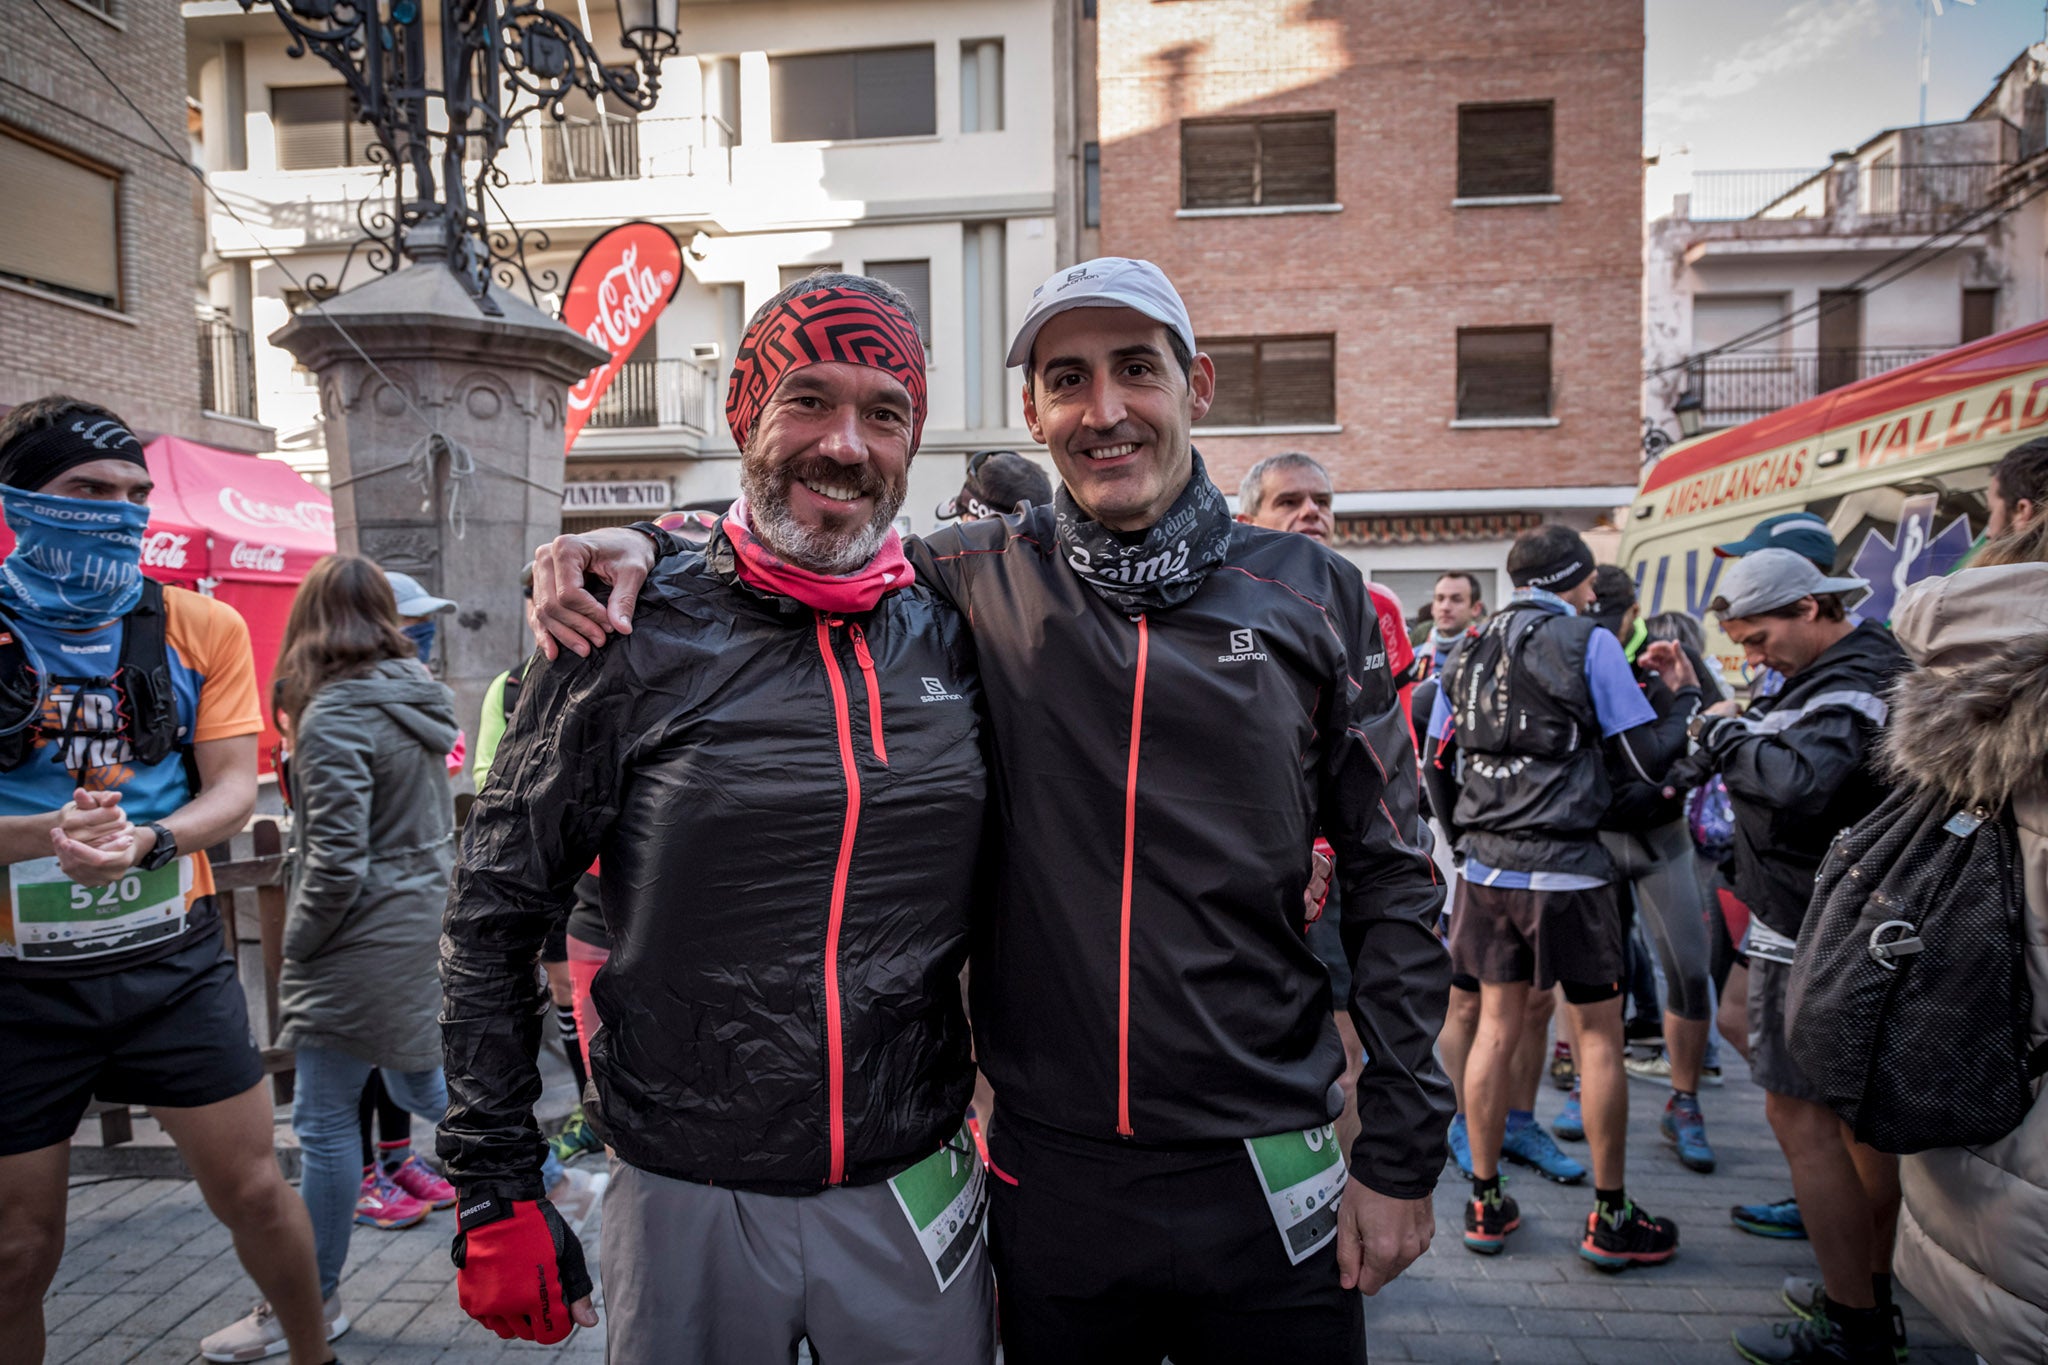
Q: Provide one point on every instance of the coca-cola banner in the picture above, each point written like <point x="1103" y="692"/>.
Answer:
<point x="619" y="286"/>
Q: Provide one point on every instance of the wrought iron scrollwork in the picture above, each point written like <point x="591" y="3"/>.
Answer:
<point x="438" y="142"/>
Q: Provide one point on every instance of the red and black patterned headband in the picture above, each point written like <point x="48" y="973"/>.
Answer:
<point x="842" y="325"/>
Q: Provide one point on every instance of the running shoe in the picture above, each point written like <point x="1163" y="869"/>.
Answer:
<point x="1648" y="1066"/>
<point x="1526" y="1144"/>
<point x="1806" y="1298"/>
<point x="576" y="1139"/>
<point x="1570" y="1124"/>
<point x="1805" y="1341"/>
<point x="382" y="1204"/>
<point x="1461" y="1145"/>
<point x="1686" y="1130"/>
<point x="423" y="1183"/>
<point x="1564" y="1072"/>
<point x="1644" y="1029"/>
<point x="1489" y="1221"/>
<point x="1628" y="1237"/>
<point x="1780" y="1219"/>
<point x="260" y="1335"/>
<point x="1711" y="1075"/>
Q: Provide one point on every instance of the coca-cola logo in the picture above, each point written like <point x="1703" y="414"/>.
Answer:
<point x="619" y="287"/>
<point x="304" y="515"/>
<point x="164" y="550"/>
<point x="268" y="558"/>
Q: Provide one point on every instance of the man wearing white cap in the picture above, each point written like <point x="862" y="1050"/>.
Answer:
<point x="1798" y="769"/>
<point x="1179" y="703"/>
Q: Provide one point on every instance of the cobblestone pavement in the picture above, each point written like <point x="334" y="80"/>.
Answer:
<point x="147" y="1272"/>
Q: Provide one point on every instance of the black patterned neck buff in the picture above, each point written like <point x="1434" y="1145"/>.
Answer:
<point x="1164" y="568"/>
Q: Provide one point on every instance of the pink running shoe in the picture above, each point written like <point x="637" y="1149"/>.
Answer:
<point x="423" y="1183"/>
<point x="382" y="1204"/>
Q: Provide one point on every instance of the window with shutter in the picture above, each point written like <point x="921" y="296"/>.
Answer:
<point x="1504" y="149"/>
<point x="842" y="96"/>
<point x="914" y="278"/>
<point x="1252" y="163"/>
<point x="316" y="128"/>
<point x="59" y="222"/>
<point x="1503" y="372"/>
<point x="1273" y="381"/>
<point x="792" y="273"/>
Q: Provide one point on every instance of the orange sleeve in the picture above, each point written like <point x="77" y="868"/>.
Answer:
<point x="213" y="640"/>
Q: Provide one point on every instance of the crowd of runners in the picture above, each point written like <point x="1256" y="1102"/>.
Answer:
<point x="1102" y="928"/>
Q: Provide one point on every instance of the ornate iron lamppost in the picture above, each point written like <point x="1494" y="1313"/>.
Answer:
<point x="438" y="133"/>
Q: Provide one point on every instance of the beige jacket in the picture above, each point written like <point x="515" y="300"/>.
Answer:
<point x="1973" y="1237"/>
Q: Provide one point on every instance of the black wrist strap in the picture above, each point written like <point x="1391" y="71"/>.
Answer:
<point x="665" y="543"/>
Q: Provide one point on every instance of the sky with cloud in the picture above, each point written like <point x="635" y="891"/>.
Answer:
<point x="1770" y="84"/>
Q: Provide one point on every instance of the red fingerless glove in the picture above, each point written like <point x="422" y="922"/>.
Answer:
<point x="518" y="1267"/>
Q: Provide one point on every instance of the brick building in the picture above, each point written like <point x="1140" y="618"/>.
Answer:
<point x="99" y="229"/>
<point x="1411" y="238"/>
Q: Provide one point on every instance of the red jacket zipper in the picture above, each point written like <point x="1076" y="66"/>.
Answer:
<point x="835" y="1060"/>
<point x="867" y="668"/>
<point x="1123" y="949"/>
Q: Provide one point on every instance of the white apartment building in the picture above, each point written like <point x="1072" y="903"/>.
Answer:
<point x="1765" y="288"/>
<point x="912" y="140"/>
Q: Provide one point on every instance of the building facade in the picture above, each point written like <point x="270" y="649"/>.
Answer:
<point x="99" y="237"/>
<point x="1411" y="239"/>
<point x="1765" y="288"/>
<point x="913" y="140"/>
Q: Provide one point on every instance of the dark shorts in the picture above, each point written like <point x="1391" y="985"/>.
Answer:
<point x="1506" y="934"/>
<point x="1770" y="1053"/>
<point x="1109" y="1253"/>
<point x="174" y="1032"/>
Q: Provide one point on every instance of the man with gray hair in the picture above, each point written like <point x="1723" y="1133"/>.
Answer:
<point x="1288" y="492"/>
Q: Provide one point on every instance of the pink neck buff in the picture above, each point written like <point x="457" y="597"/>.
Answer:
<point x="761" y="568"/>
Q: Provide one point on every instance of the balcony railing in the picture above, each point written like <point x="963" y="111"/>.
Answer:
<point x="227" y="369"/>
<point x="1743" y="385"/>
<point x="571" y="152"/>
<point x="656" y="393"/>
<point x="1722" y="195"/>
<point x="1930" y="193"/>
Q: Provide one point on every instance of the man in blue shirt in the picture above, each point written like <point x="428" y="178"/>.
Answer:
<point x="1529" y="716"/>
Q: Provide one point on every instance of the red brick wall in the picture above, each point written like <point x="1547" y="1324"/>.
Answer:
<point x="145" y="367"/>
<point x="1398" y="271"/>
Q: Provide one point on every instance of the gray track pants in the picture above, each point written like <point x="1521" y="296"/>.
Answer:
<point x="694" y="1273"/>
<point x="1661" y="870"/>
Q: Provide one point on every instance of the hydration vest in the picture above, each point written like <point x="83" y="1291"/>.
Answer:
<point x="146" y="709"/>
<point x="1528" y="738"/>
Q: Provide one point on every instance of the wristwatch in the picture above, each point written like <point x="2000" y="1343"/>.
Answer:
<point x="164" y="853"/>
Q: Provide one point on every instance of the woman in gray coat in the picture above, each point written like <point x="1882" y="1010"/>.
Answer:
<point x="372" y="845"/>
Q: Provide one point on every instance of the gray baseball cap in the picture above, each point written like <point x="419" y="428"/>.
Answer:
<point x="1765" y="579"/>
<point x="414" y="600"/>
<point x="1105" y="282"/>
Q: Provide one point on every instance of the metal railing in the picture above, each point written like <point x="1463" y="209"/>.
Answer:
<point x="1744" y="385"/>
<point x="227" y="369"/>
<point x="1931" y="193"/>
<point x="656" y="393"/>
<point x="1723" y="195"/>
<point x="571" y="152"/>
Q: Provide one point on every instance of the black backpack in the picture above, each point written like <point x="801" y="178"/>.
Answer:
<point x="1908" y="1003"/>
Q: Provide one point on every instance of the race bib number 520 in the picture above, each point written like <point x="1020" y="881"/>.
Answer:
<point x="56" y="919"/>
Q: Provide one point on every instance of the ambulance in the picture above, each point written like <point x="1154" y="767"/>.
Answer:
<point x="1897" y="466"/>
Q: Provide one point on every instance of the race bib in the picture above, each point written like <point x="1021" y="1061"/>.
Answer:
<point x="945" y="1197"/>
<point x="1303" y="1176"/>
<point x="57" y="920"/>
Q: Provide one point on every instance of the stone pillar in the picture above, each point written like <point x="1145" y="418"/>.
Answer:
<point x="448" y="464"/>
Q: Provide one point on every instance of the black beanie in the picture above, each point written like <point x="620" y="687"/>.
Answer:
<point x="1563" y="571"/>
<point x="39" y="455"/>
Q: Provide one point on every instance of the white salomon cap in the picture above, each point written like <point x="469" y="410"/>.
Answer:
<point x="1105" y="282"/>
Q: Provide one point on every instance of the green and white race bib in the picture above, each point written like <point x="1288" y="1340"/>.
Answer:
<point x="1303" y="1176"/>
<point x="57" y="920"/>
<point x="945" y="1197"/>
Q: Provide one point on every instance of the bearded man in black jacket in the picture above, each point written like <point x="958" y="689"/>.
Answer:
<point x="1177" y="705"/>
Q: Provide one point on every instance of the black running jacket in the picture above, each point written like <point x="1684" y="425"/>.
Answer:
<point x="788" y="807"/>
<point x="1158" y="782"/>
